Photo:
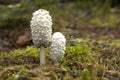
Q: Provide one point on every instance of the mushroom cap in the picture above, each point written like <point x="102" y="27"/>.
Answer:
<point x="41" y="28"/>
<point x="57" y="47"/>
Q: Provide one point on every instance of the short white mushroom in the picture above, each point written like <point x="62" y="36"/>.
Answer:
<point x="57" y="47"/>
<point x="41" y="30"/>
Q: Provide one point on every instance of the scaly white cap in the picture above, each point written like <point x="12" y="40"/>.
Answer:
<point x="41" y="28"/>
<point x="57" y="47"/>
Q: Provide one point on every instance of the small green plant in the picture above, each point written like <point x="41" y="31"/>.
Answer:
<point x="115" y="43"/>
<point x="88" y="74"/>
<point x="13" y="77"/>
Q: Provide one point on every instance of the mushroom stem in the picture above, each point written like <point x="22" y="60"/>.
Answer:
<point x="42" y="55"/>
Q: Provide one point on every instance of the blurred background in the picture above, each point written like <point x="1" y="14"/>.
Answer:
<point x="74" y="18"/>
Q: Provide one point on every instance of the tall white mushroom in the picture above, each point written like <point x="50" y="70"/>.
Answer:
<point x="41" y="30"/>
<point x="57" y="47"/>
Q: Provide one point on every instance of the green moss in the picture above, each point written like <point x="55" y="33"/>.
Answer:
<point x="80" y="60"/>
<point x="29" y="51"/>
<point x="79" y="49"/>
<point x="20" y="56"/>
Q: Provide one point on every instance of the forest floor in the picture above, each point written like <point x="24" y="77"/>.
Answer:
<point x="92" y="53"/>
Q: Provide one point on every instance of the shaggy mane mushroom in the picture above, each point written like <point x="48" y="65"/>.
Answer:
<point x="57" y="47"/>
<point x="41" y="30"/>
